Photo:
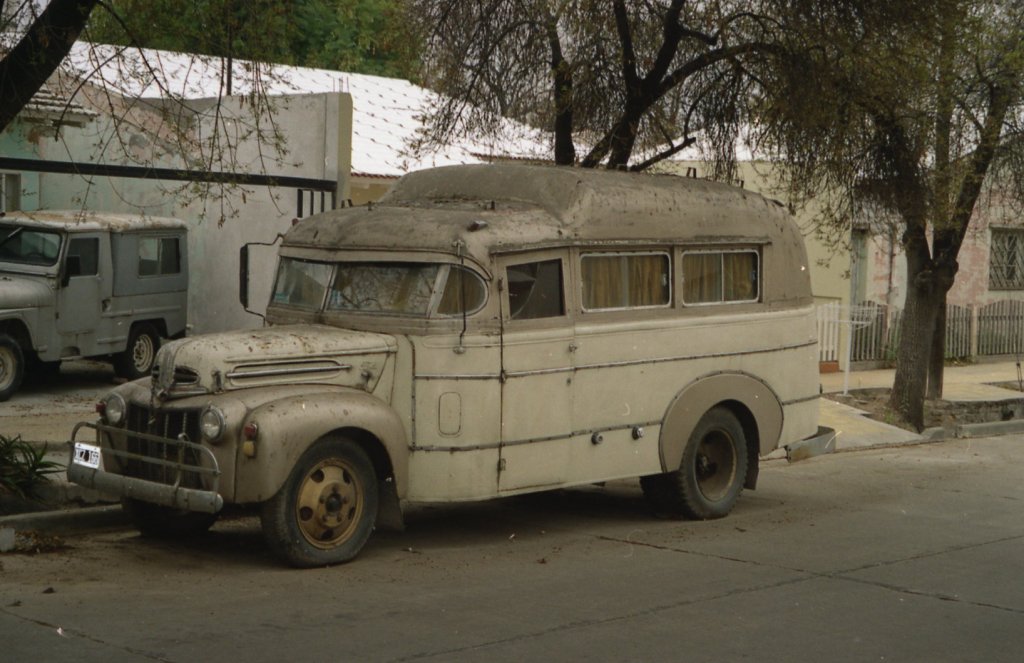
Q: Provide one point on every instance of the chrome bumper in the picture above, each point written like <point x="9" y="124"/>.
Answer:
<point x="822" y="442"/>
<point x="165" y="494"/>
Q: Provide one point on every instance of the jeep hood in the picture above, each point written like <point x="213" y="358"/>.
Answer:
<point x="18" y="293"/>
<point x="290" y="354"/>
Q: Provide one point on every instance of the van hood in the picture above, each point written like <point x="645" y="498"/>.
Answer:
<point x="19" y="293"/>
<point x="290" y="354"/>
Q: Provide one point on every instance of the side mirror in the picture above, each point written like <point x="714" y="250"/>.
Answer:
<point x="72" y="267"/>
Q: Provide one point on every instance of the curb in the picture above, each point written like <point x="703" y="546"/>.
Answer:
<point x="68" y="520"/>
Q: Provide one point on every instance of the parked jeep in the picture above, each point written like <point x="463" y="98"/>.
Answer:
<point x="76" y="284"/>
<point x="483" y="331"/>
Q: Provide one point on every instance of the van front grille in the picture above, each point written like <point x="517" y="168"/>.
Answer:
<point x="173" y="427"/>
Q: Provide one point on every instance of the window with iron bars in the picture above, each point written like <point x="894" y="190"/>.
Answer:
<point x="1006" y="264"/>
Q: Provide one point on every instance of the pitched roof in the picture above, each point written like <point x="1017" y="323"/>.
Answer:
<point x="388" y="112"/>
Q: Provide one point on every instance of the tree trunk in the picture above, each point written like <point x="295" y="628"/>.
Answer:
<point x="916" y="330"/>
<point x="937" y="358"/>
<point x="27" y="66"/>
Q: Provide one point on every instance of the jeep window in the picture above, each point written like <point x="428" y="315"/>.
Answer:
<point x="301" y="283"/>
<point x="535" y="290"/>
<point x="83" y="256"/>
<point x="713" y="277"/>
<point x="625" y="280"/>
<point x="158" y="256"/>
<point x="402" y="288"/>
<point x="27" y="246"/>
<point x="464" y="291"/>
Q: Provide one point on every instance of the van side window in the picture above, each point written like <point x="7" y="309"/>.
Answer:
<point x="625" y="280"/>
<point x="464" y="291"/>
<point x="535" y="290"/>
<point x="158" y="256"/>
<point x="712" y="277"/>
<point x="83" y="256"/>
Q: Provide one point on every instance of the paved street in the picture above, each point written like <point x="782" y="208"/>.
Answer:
<point x="907" y="554"/>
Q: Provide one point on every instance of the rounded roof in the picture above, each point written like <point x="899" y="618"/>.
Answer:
<point x="87" y="220"/>
<point x="498" y="208"/>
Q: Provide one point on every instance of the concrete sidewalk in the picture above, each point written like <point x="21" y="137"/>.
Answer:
<point x="970" y="382"/>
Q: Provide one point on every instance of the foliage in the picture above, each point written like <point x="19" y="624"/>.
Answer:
<point x="362" y="36"/>
<point x="23" y="466"/>
<point x="610" y="80"/>
<point x="904" y="110"/>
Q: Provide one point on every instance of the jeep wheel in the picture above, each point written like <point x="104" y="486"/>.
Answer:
<point x="161" y="522"/>
<point x="327" y="508"/>
<point x="711" y="475"/>
<point x="137" y="359"/>
<point x="12" y="366"/>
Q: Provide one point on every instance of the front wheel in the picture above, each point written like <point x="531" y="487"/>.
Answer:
<point x="12" y="366"/>
<point x="326" y="509"/>
<point x="711" y="475"/>
<point x="137" y="359"/>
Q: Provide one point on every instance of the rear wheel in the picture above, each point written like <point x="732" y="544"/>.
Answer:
<point x="161" y="522"/>
<point x="137" y="359"/>
<point x="711" y="475"/>
<point x="326" y="510"/>
<point x="12" y="366"/>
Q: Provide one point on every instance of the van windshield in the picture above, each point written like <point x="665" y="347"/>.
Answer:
<point x="383" y="287"/>
<point x="28" y="246"/>
<point x="393" y="288"/>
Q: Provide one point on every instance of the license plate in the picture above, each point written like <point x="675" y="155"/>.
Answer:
<point x="88" y="455"/>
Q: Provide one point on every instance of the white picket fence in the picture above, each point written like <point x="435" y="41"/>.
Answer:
<point x="828" y="331"/>
<point x="994" y="329"/>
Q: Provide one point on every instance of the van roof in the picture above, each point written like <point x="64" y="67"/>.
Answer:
<point x="87" y="220"/>
<point x="501" y="208"/>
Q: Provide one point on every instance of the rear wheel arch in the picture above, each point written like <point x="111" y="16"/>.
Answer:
<point x="749" y="398"/>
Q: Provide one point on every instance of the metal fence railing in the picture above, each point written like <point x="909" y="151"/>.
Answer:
<point x="994" y="329"/>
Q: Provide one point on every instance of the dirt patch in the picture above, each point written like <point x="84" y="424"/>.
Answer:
<point x="937" y="413"/>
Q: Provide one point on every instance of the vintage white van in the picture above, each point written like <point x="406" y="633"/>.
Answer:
<point x="483" y="331"/>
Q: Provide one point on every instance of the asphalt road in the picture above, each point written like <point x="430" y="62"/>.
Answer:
<point x="908" y="554"/>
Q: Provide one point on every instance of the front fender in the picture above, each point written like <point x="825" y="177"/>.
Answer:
<point x="289" y="426"/>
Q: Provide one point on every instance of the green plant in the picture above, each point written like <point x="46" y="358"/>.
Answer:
<point x="23" y="466"/>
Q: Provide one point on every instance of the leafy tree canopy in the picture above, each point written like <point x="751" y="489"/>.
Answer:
<point x="361" y="36"/>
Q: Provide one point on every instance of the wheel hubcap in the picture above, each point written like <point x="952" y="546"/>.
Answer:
<point x="6" y="368"/>
<point x="142" y="353"/>
<point x="715" y="465"/>
<point x="329" y="504"/>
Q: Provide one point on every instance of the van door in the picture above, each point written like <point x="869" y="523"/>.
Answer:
<point x="80" y="302"/>
<point x="536" y="369"/>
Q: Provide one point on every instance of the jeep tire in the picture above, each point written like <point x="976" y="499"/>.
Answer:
<point x="12" y="366"/>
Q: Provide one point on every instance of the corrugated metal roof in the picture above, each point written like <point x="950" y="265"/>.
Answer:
<point x="387" y="118"/>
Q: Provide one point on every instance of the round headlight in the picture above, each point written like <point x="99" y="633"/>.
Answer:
<point x="211" y="422"/>
<point x="114" y="409"/>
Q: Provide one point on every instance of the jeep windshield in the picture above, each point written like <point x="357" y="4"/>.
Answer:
<point x="416" y="289"/>
<point x="27" y="246"/>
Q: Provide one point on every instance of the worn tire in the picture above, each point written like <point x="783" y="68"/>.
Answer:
<point x="712" y="472"/>
<point x="161" y="522"/>
<point x="12" y="366"/>
<point x="137" y="359"/>
<point x="327" y="507"/>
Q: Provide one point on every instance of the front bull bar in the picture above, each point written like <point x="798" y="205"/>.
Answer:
<point x="172" y="495"/>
